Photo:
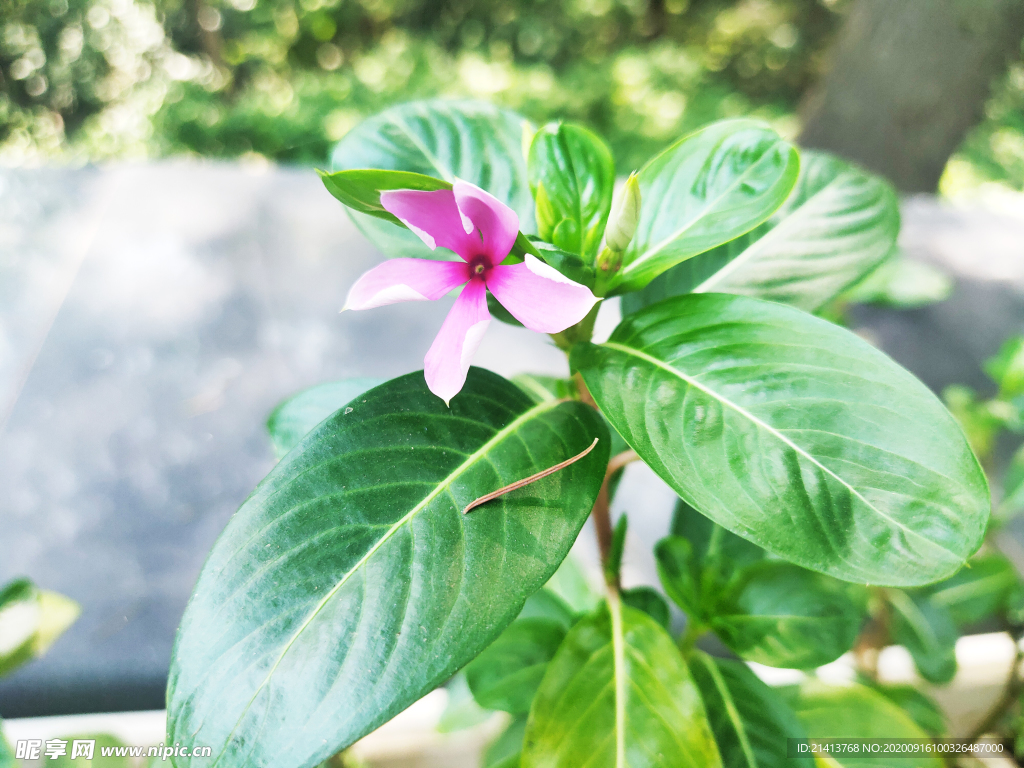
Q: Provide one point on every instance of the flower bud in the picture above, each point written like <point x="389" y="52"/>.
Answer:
<point x="624" y="216"/>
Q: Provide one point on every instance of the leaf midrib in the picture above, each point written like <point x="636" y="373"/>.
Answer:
<point x="498" y="437"/>
<point x="733" y="713"/>
<point x="776" y="433"/>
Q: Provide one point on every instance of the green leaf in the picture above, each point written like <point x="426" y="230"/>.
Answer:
<point x="572" y="176"/>
<point x="618" y="695"/>
<point x="977" y="591"/>
<point x="679" y="573"/>
<point x="837" y="226"/>
<point x="470" y="140"/>
<point x="923" y="710"/>
<point x="356" y="543"/>
<point x="360" y="189"/>
<point x="31" y="620"/>
<point x="795" y="434"/>
<point x="102" y="740"/>
<point x="1013" y="488"/>
<point x="1007" y="367"/>
<point x="7" y="758"/>
<point x="856" y="712"/>
<point x="462" y="710"/>
<point x="505" y="751"/>
<point x="927" y="630"/>
<point x="296" y="416"/>
<point x="751" y="722"/>
<point x="712" y="544"/>
<point x="507" y="674"/>
<point x="570" y="583"/>
<point x="546" y="604"/>
<point x="902" y="283"/>
<point x="706" y="189"/>
<point x="648" y="600"/>
<point x="787" y="616"/>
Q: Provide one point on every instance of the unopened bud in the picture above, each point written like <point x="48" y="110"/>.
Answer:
<point x="624" y="216"/>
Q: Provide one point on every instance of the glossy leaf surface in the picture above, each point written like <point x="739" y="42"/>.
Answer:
<point x="838" y="225"/>
<point x="350" y="584"/>
<point x="618" y="695"/>
<point x="706" y="189"/>
<point x="750" y="721"/>
<point x="572" y="176"/>
<point x="927" y="630"/>
<point x="857" y="712"/>
<point x="795" y="434"/>
<point x="787" y="616"/>
<point x="507" y="674"/>
<point x="470" y="140"/>
<point x="296" y="416"/>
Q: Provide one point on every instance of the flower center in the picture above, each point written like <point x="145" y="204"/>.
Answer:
<point x="479" y="267"/>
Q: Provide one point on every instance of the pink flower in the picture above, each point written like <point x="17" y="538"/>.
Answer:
<point x="481" y="230"/>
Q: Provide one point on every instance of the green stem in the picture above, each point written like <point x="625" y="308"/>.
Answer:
<point x="582" y="331"/>
<point x="688" y="640"/>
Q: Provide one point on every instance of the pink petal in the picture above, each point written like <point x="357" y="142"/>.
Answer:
<point x="406" y="280"/>
<point x="434" y="217"/>
<point x="447" y="361"/>
<point x="539" y="296"/>
<point x="494" y="225"/>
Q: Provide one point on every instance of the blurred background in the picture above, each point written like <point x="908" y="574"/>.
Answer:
<point x="93" y="80"/>
<point x="171" y="267"/>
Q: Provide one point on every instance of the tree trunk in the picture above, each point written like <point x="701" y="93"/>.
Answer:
<point x="908" y="79"/>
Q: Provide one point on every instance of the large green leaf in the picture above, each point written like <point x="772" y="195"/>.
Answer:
<point x="927" y="630"/>
<point x="922" y="710"/>
<point x="837" y="226"/>
<point x="618" y="695"/>
<point x="505" y="751"/>
<point x="787" y="616"/>
<point x="978" y="590"/>
<point x="572" y="176"/>
<point x="795" y="434"/>
<point x="507" y="674"/>
<point x="350" y="584"/>
<point x="469" y="140"/>
<point x="706" y="189"/>
<point x="857" y="712"/>
<point x="296" y="416"/>
<point x="751" y="722"/>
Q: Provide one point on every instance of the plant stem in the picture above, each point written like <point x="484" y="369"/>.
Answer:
<point x="873" y="639"/>
<point x="687" y="641"/>
<point x="1012" y="691"/>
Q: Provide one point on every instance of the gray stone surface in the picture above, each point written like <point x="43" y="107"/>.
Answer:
<point x="150" y="318"/>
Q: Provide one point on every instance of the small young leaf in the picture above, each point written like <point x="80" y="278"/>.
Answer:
<point x="356" y="542"/>
<point x="706" y="189"/>
<point x="795" y="434"/>
<point x="507" y="674"/>
<point x="31" y="620"/>
<point x="572" y="175"/>
<point x="787" y="616"/>
<point x="617" y="694"/>
<point x="296" y="416"/>
<point x="360" y="189"/>
<point x="928" y="632"/>
<point x="648" y="600"/>
<point x="712" y="544"/>
<point x="751" y="722"/>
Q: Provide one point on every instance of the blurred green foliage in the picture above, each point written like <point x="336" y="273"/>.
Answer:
<point x="287" y="78"/>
